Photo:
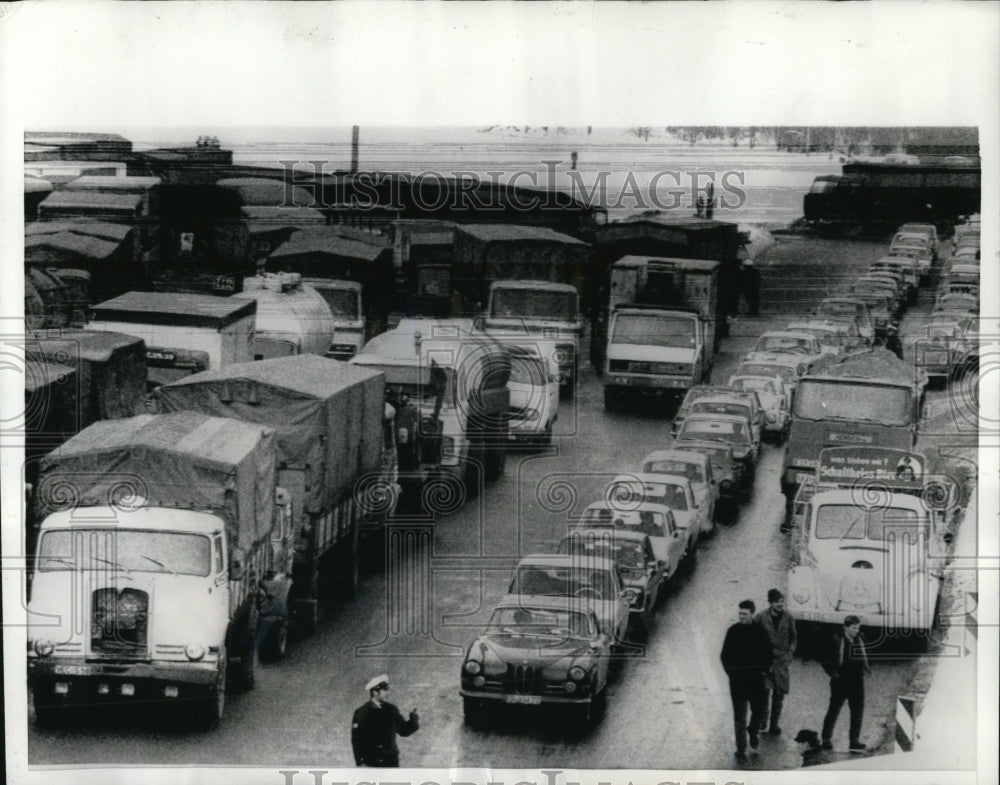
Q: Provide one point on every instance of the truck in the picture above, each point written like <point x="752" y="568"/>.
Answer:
<point x="336" y="460"/>
<point x="159" y="536"/>
<point x="351" y="271"/>
<point x="867" y="542"/>
<point x="524" y="277"/>
<point x="184" y="333"/>
<point x="292" y="316"/>
<point x="449" y="386"/>
<point x="661" y="330"/>
<point x="867" y="399"/>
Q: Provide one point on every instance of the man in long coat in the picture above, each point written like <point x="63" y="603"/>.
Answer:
<point x="780" y="627"/>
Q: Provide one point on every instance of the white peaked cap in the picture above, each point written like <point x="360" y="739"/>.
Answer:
<point x="383" y="679"/>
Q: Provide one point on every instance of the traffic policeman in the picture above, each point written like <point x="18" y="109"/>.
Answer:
<point x="375" y="726"/>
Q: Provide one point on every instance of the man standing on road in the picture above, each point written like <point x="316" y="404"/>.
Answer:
<point x="746" y="657"/>
<point x="375" y="725"/>
<point x="751" y="286"/>
<point x="847" y="668"/>
<point x="780" y="628"/>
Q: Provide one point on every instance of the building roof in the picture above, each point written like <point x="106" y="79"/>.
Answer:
<point x="203" y="310"/>
<point x="92" y="199"/>
<point x="491" y="233"/>
<point x="128" y="184"/>
<point x="328" y="241"/>
<point x="102" y="229"/>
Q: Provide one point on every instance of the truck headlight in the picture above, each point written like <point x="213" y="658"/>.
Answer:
<point x="194" y="651"/>
<point x="44" y="647"/>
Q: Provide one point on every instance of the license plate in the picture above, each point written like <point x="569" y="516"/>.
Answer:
<point x="72" y="670"/>
<point x="802" y="477"/>
<point x="527" y="700"/>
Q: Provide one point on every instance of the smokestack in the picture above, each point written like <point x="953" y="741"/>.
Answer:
<point x="354" y="150"/>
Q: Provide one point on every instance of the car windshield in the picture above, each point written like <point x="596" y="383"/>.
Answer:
<point x="720" y="407"/>
<point x="651" y="522"/>
<point x="626" y="553"/>
<point x="720" y="430"/>
<point x="783" y="371"/>
<point x="851" y="522"/>
<point x="647" y="329"/>
<point x="687" y="469"/>
<point x="757" y="385"/>
<point x="542" y="621"/>
<point x="872" y="403"/>
<point x="782" y="343"/>
<point x="534" y="303"/>
<point x="130" y="550"/>
<point x="563" y="581"/>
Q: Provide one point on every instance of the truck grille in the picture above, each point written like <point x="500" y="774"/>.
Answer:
<point x="119" y="622"/>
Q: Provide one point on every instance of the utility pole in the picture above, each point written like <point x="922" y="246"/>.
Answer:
<point x="354" y="149"/>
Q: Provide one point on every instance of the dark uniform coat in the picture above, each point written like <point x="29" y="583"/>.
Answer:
<point x="373" y="734"/>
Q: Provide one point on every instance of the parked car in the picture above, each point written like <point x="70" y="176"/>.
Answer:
<point x="920" y="256"/>
<point x="832" y="336"/>
<point x="788" y="366"/>
<point x="654" y="520"/>
<point x="725" y="469"/>
<point x="782" y="341"/>
<point x="732" y="430"/>
<point x="851" y="308"/>
<point x="870" y="289"/>
<point x="880" y="305"/>
<point x="906" y="268"/>
<point x="748" y="405"/>
<point x="697" y="467"/>
<point x="774" y="399"/>
<point x="914" y="240"/>
<point x="929" y="230"/>
<point x="632" y="552"/>
<point x="538" y="649"/>
<point x="670" y="490"/>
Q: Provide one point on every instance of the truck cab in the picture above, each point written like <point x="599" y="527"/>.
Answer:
<point x="661" y="330"/>
<point x="543" y="309"/>
<point x="350" y="328"/>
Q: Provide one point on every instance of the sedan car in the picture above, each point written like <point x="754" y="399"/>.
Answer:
<point x="746" y="402"/>
<point x="649" y="518"/>
<point x="788" y="366"/>
<point x="632" y="553"/>
<point x="727" y="472"/>
<point x="734" y="431"/>
<point x="774" y="399"/>
<point x="920" y="256"/>
<point x="929" y="230"/>
<point x="914" y="240"/>
<point x="849" y="307"/>
<point x="904" y="267"/>
<point x="670" y="490"/>
<point x="697" y="468"/>
<point x="535" y="650"/>
<point x="785" y="341"/>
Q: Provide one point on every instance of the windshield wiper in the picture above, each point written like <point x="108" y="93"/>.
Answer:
<point x="157" y="563"/>
<point x="62" y="559"/>
<point x="848" y="531"/>
<point x="116" y="565"/>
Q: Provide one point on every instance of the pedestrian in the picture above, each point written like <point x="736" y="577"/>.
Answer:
<point x="746" y="658"/>
<point x="375" y="726"/>
<point x="780" y="628"/>
<point x="751" y="286"/>
<point x="847" y="667"/>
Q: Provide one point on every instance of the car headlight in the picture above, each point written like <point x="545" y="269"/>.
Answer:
<point x="194" y="651"/>
<point x="576" y="673"/>
<point x="472" y="667"/>
<point x="772" y="417"/>
<point x="44" y="647"/>
<point x="726" y="485"/>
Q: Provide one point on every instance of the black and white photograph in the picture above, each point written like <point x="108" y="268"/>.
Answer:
<point x="505" y="393"/>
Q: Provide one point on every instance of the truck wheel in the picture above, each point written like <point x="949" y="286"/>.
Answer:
<point x="495" y="463"/>
<point x="275" y="645"/>
<point x="49" y="711"/>
<point x="612" y="398"/>
<point x="210" y="708"/>
<point x="245" y="678"/>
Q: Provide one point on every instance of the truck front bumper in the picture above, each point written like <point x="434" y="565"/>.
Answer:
<point x="95" y="680"/>
<point x="650" y="383"/>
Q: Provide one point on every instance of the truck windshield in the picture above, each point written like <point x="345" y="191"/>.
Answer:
<point x="654" y="330"/>
<point x="872" y="403"/>
<point x="130" y="550"/>
<point x="343" y="302"/>
<point x="850" y="522"/>
<point x="528" y="370"/>
<point x="534" y="303"/>
<point x="820" y="186"/>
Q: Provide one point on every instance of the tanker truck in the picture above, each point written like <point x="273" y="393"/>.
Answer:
<point x="336" y="458"/>
<point x="159" y="536"/>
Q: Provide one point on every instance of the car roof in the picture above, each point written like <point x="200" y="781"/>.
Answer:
<point x="675" y="455"/>
<point x="707" y="444"/>
<point x="563" y="560"/>
<point x="651" y="477"/>
<point x="632" y="506"/>
<point x="592" y="531"/>
<point x="762" y="376"/>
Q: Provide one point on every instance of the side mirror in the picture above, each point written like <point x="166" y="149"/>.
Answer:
<point x="237" y="564"/>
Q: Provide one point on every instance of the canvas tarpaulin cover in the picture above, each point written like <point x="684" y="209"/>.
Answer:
<point x="327" y="414"/>
<point x="184" y="460"/>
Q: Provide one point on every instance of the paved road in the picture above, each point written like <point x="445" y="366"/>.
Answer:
<point x="669" y="708"/>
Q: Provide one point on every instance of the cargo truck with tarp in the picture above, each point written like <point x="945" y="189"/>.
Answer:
<point x="449" y="386"/>
<point x="871" y="539"/>
<point x="336" y="459"/>
<point x="868" y="399"/>
<point x="159" y="535"/>
<point x="662" y="334"/>
<point x="184" y="333"/>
